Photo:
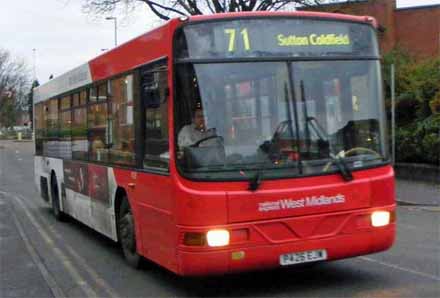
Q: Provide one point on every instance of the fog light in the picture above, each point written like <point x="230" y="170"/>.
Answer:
<point x="217" y="237"/>
<point x="380" y="218"/>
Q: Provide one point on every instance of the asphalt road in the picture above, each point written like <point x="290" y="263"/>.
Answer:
<point x="40" y="257"/>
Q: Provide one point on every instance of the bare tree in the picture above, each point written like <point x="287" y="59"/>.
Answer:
<point x="14" y="86"/>
<point x="166" y="9"/>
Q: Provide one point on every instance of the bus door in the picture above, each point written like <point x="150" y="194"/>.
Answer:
<point x="153" y="188"/>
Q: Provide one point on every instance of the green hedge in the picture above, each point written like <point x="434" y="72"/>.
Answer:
<point x="417" y="106"/>
<point x="419" y="142"/>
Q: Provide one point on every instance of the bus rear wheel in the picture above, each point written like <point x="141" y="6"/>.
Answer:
<point x="59" y="215"/>
<point x="127" y="234"/>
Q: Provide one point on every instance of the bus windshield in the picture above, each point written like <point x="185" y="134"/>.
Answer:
<point x="236" y="119"/>
<point x="286" y="118"/>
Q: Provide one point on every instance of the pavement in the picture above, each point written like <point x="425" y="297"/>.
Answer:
<point x="418" y="193"/>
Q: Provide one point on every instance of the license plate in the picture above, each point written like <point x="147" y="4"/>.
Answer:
<point x="303" y="257"/>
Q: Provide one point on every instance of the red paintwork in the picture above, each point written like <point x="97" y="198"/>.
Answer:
<point x="305" y="14"/>
<point x="211" y="198"/>
<point x="266" y="255"/>
<point x="165" y="207"/>
<point x="138" y="51"/>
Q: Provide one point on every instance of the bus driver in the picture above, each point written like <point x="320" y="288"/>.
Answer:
<point x="196" y="131"/>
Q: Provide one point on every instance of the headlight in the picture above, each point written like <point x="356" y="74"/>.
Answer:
<point x="217" y="237"/>
<point x="380" y="218"/>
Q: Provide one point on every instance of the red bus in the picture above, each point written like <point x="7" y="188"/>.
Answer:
<point x="225" y="143"/>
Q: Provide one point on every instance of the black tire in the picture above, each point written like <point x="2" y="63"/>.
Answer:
<point x="127" y="234"/>
<point x="59" y="215"/>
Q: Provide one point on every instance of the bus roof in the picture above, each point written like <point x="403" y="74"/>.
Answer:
<point x="304" y="14"/>
<point x="153" y="45"/>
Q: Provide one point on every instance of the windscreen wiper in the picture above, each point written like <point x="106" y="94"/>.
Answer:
<point x="254" y="181"/>
<point x="337" y="159"/>
<point x="342" y="166"/>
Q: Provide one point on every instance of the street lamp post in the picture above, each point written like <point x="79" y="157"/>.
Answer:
<point x="34" y="62"/>
<point x="116" y="28"/>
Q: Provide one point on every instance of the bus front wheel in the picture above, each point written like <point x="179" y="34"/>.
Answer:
<point x="127" y="235"/>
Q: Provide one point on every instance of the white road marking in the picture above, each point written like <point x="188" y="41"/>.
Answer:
<point x="434" y="277"/>
<point x="101" y="282"/>
<point x="432" y="209"/>
<point x="61" y="256"/>
<point x="53" y="286"/>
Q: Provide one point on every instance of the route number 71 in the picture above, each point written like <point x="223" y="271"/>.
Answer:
<point x="232" y="33"/>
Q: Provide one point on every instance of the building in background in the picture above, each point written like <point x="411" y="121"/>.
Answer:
<point x="416" y="29"/>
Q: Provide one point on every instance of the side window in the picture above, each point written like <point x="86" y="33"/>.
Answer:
<point x="76" y="101"/>
<point x="93" y="94"/>
<point x="45" y="128"/>
<point x="39" y="126"/>
<point x="122" y="150"/>
<point x="65" y="128"/>
<point x="83" y="97"/>
<point x="102" y="91"/>
<point x="98" y="126"/>
<point x="79" y="130"/>
<point x="52" y="128"/>
<point x="154" y="96"/>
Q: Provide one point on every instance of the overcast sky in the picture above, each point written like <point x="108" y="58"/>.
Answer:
<point x="63" y="37"/>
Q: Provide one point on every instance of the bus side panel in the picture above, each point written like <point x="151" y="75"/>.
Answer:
<point x="102" y="188"/>
<point x="39" y="173"/>
<point x="89" y="195"/>
<point x="43" y="168"/>
<point x="152" y="203"/>
<point x="77" y="201"/>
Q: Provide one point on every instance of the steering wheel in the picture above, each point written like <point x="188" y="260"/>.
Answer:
<point x="196" y="144"/>
<point x="350" y="152"/>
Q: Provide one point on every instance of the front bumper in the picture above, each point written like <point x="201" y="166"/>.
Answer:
<point x="342" y="235"/>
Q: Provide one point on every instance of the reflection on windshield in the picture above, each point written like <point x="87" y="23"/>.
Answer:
<point x="239" y="117"/>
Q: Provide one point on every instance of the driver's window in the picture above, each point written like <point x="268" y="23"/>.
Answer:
<point x="154" y="93"/>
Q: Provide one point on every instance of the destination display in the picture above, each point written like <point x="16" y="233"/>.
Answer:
<point x="271" y="37"/>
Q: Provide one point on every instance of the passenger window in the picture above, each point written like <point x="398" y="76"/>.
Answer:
<point x="79" y="133"/>
<point x="122" y="149"/>
<point x="93" y="94"/>
<point x="102" y="91"/>
<point x="76" y="100"/>
<point x="83" y="97"/>
<point x="40" y="128"/>
<point x="52" y="148"/>
<point x="65" y="128"/>
<point x="154" y="96"/>
<point x="97" y="131"/>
